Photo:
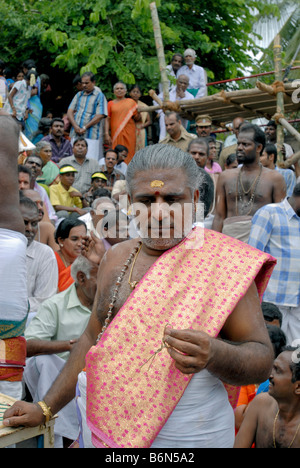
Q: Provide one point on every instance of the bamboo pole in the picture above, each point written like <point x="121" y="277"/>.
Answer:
<point x="290" y="161"/>
<point x="289" y="127"/>
<point x="160" y="51"/>
<point x="280" y="95"/>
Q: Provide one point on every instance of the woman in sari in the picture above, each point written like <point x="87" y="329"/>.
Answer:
<point x="120" y="122"/>
<point x="143" y="123"/>
<point x="68" y="236"/>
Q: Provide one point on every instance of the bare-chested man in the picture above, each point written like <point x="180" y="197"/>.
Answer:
<point x="172" y="277"/>
<point x="272" y="419"/>
<point x="242" y="191"/>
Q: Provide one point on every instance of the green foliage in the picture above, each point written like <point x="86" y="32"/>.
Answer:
<point x="114" y="39"/>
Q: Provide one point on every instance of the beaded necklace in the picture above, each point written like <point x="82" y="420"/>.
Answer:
<point x="132" y="256"/>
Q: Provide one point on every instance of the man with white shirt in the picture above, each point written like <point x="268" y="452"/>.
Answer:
<point x="196" y="74"/>
<point x="178" y="93"/>
<point x="42" y="271"/>
<point x="172" y="69"/>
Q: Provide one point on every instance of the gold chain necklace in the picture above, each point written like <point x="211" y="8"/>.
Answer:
<point x="132" y="256"/>
<point x="274" y="430"/>
<point x="254" y="185"/>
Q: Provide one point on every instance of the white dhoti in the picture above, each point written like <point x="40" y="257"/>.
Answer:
<point x="39" y="375"/>
<point x="13" y="276"/>
<point x="13" y="298"/>
<point x="238" y="227"/>
<point x="203" y="418"/>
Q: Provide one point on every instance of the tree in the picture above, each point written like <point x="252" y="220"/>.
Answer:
<point x="114" y="39"/>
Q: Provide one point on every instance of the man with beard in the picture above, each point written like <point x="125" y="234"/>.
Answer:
<point x="272" y="419"/>
<point x="242" y="191"/>
<point x="175" y="321"/>
<point x="61" y="147"/>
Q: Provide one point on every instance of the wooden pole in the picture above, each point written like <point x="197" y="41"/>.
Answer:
<point x="160" y="51"/>
<point x="280" y="95"/>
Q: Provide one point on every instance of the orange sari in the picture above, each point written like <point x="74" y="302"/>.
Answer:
<point x="64" y="274"/>
<point x="122" y="125"/>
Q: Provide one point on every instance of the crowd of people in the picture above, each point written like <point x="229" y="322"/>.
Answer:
<point x="211" y="330"/>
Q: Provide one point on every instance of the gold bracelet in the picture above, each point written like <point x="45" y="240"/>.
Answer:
<point x="46" y="410"/>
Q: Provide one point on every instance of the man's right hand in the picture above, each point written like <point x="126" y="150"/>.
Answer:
<point x="25" y="414"/>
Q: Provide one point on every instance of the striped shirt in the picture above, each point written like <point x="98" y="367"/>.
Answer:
<point x="86" y="106"/>
<point x="276" y="231"/>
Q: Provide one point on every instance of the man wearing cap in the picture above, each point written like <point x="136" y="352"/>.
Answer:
<point x="66" y="199"/>
<point x="196" y="74"/>
<point x="176" y="133"/>
<point x="85" y="166"/>
<point x="203" y="129"/>
<point x="98" y="180"/>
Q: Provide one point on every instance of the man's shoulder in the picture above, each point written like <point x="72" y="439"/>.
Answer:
<point x="270" y="209"/>
<point x="47" y="137"/>
<point x="271" y="174"/>
<point x="40" y="251"/>
<point x="186" y="134"/>
<point x="119" y="173"/>
<point x="66" y="160"/>
<point x="92" y="162"/>
<point x="198" y="67"/>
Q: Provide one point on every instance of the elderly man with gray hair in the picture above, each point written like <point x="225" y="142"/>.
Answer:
<point x="51" y="335"/>
<point x="196" y="74"/>
<point x="176" y="315"/>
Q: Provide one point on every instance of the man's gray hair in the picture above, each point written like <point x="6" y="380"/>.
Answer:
<point x="100" y="200"/>
<point x="81" y="264"/>
<point x="161" y="156"/>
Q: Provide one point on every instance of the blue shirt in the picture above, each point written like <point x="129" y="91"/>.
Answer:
<point x="290" y="180"/>
<point x="86" y="106"/>
<point x="276" y="231"/>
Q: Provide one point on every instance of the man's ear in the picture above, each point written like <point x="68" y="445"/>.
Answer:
<point x="259" y="148"/>
<point x="81" y="277"/>
<point x="297" y="387"/>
